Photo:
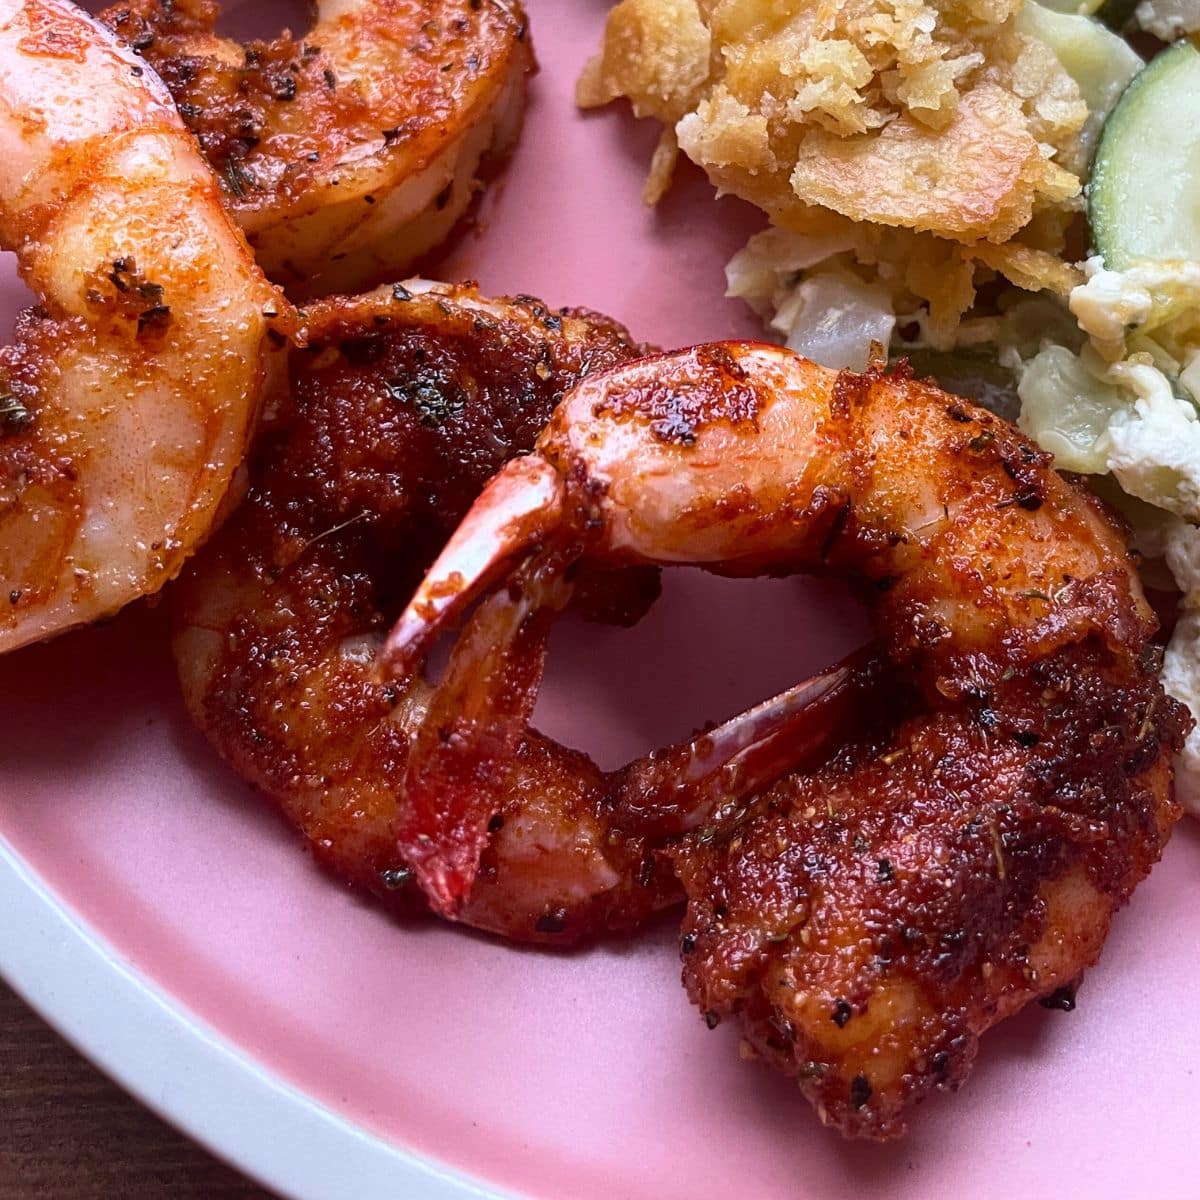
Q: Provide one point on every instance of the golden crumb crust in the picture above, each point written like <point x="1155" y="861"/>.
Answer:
<point x="934" y="137"/>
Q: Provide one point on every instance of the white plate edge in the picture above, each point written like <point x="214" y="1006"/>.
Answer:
<point x="186" y="1072"/>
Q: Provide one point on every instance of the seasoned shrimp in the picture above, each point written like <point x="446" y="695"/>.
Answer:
<point x="129" y="390"/>
<point x="964" y="853"/>
<point x="349" y="153"/>
<point x="402" y="406"/>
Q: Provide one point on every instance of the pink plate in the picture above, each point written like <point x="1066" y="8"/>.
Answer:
<point x="160" y="913"/>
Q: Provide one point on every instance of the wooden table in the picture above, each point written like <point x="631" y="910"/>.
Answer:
<point x="67" y="1133"/>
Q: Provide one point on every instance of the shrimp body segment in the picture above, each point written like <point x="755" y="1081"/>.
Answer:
<point x="349" y="153"/>
<point x="129" y="391"/>
<point x="964" y="851"/>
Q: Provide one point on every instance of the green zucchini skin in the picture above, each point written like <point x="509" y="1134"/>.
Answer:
<point x="1144" y="195"/>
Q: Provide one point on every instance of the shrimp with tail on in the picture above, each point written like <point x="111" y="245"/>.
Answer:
<point x="964" y="851"/>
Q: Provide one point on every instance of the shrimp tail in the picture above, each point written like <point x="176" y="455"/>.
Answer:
<point x="708" y="780"/>
<point x="462" y="754"/>
<point x="521" y="505"/>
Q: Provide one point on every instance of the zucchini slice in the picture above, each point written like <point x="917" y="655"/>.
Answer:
<point x="1144" y="198"/>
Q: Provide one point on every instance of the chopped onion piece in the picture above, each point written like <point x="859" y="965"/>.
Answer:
<point x="833" y="319"/>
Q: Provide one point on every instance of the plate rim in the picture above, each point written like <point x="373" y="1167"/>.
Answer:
<point x="188" y="1073"/>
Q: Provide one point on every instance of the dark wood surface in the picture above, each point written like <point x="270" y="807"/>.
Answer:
<point x="67" y="1132"/>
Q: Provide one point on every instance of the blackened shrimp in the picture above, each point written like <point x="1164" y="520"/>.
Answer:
<point x="128" y="393"/>
<point x="347" y="154"/>
<point x="403" y="405"/>
<point x="965" y="851"/>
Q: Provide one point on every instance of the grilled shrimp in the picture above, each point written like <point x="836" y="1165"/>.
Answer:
<point x="964" y="852"/>
<point x="128" y="392"/>
<point x="349" y="153"/>
<point x="401" y="407"/>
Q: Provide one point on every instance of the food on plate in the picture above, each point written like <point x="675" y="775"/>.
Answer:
<point x="927" y="169"/>
<point x="879" y="863"/>
<point x="929" y="144"/>
<point x="398" y="410"/>
<point x="907" y="155"/>
<point x="395" y="414"/>
<point x="130" y="388"/>
<point x="963" y="853"/>
<point x="347" y="154"/>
